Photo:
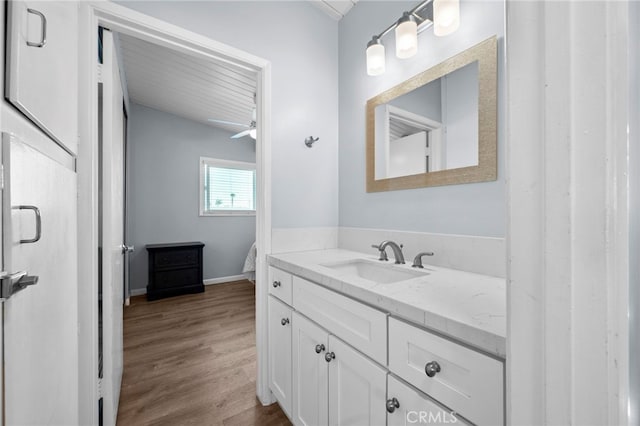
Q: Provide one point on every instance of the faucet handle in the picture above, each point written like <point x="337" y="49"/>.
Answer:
<point x="383" y="253"/>
<point x="417" y="261"/>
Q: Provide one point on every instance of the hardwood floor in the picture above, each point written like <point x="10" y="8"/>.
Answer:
<point x="191" y="360"/>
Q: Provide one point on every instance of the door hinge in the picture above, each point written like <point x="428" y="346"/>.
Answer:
<point x="100" y="387"/>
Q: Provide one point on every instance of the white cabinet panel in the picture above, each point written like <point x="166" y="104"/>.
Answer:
<point x="363" y="327"/>
<point x="280" y="284"/>
<point x="465" y="380"/>
<point x="42" y="65"/>
<point x="357" y="387"/>
<point x="41" y="321"/>
<point x="410" y="407"/>
<point x="280" y="367"/>
<point x="310" y="373"/>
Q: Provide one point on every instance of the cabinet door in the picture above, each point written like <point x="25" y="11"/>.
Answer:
<point x="280" y="352"/>
<point x="406" y="406"/>
<point x="310" y="373"/>
<point x="42" y="64"/>
<point x="357" y="387"/>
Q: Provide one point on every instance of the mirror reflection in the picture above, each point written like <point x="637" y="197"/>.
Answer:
<point x="431" y="128"/>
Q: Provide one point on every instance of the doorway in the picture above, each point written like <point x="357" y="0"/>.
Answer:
<point x="130" y="23"/>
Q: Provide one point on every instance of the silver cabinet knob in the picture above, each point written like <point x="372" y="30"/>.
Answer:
<point x="276" y="284"/>
<point x="392" y="404"/>
<point x="319" y="348"/>
<point x="284" y="321"/>
<point x="329" y="356"/>
<point x="432" y="368"/>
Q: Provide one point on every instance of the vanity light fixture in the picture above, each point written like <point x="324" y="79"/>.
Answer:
<point x="444" y="15"/>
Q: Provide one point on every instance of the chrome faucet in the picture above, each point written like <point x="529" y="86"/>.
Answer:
<point x="417" y="261"/>
<point x="397" y="251"/>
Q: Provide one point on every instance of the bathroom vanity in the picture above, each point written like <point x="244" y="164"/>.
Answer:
<point x="353" y="340"/>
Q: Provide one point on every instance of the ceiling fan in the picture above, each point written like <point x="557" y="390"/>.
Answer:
<point x="251" y="127"/>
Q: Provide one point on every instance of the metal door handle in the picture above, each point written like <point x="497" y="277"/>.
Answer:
<point x="13" y="283"/>
<point x="329" y="356"/>
<point x="127" y="249"/>
<point x="432" y="368"/>
<point x="276" y="284"/>
<point x="43" y="20"/>
<point x="38" y="224"/>
<point x="284" y="321"/>
<point x="319" y="348"/>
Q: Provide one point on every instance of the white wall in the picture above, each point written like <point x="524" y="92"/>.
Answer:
<point x="302" y="44"/>
<point x="164" y="153"/>
<point x="634" y="204"/>
<point x="472" y="209"/>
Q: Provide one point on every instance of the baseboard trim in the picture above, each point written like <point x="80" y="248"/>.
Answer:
<point x="210" y="281"/>
<point x="223" y="280"/>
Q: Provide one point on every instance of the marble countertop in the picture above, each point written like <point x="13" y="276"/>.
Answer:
<point x="468" y="307"/>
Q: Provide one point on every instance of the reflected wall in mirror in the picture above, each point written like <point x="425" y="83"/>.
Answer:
<point x="437" y="128"/>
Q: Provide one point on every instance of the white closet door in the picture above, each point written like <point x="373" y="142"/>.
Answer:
<point x="41" y="321"/>
<point x="310" y="373"/>
<point x="112" y="228"/>
<point x="42" y="65"/>
<point x="357" y="387"/>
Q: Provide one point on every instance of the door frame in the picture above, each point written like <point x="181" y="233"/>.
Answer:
<point x="121" y="19"/>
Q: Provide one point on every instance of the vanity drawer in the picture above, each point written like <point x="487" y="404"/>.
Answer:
<point x="280" y="284"/>
<point x="363" y="327"/>
<point x="467" y="381"/>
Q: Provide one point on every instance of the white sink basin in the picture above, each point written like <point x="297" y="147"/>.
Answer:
<point x="376" y="272"/>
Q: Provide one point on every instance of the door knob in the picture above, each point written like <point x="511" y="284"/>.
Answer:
<point x="276" y="284"/>
<point x="432" y="368"/>
<point x="284" y="321"/>
<point x="13" y="283"/>
<point x="319" y="348"/>
<point x="329" y="356"/>
<point x="392" y="404"/>
<point x="127" y="249"/>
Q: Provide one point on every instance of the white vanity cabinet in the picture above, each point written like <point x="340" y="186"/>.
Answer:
<point x="467" y="381"/>
<point x="280" y="352"/>
<point x="42" y="66"/>
<point x="406" y="406"/>
<point x="332" y="382"/>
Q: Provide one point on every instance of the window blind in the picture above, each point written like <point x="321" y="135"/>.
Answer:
<point x="229" y="189"/>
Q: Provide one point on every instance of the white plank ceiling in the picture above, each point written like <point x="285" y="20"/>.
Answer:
<point x="187" y="86"/>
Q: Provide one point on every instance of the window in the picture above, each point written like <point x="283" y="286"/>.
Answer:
<point x="227" y="187"/>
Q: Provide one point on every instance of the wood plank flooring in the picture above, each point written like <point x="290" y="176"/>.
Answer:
<point x="191" y="360"/>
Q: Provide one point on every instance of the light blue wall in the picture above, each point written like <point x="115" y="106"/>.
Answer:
<point x="302" y="44"/>
<point x="472" y="209"/>
<point x="634" y="223"/>
<point x="164" y="155"/>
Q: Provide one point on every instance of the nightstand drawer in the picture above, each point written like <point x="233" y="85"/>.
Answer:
<point x="176" y="258"/>
<point x="176" y="278"/>
<point x="469" y="382"/>
<point x="280" y="284"/>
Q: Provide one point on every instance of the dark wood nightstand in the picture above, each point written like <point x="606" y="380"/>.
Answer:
<point x="174" y="269"/>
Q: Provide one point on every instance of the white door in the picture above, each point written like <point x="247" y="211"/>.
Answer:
<point x="310" y="373"/>
<point x="406" y="406"/>
<point x="408" y="155"/>
<point x="41" y="321"/>
<point x="42" y="65"/>
<point x="112" y="228"/>
<point x="280" y="352"/>
<point x="357" y="387"/>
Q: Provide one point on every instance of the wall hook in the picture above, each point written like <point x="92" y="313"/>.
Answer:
<point x="309" y="141"/>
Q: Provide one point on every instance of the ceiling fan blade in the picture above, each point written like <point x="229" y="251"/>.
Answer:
<point x="227" y="122"/>
<point x="241" y="134"/>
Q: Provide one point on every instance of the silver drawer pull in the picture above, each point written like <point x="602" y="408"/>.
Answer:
<point x="276" y="284"/>
<point x="38" y="224"/>
<point x="284" y="321"/>
<point x="319" y="348"/>
<point x="432" y="368"/>
<point x="329" y="356"/>
<point x="43" y="20"/>
<point x="392" y="404"/>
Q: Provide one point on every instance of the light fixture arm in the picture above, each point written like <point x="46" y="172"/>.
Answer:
<point x="413" y="12"/>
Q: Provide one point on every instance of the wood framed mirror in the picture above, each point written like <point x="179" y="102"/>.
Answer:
<point x="438" y="127"/>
